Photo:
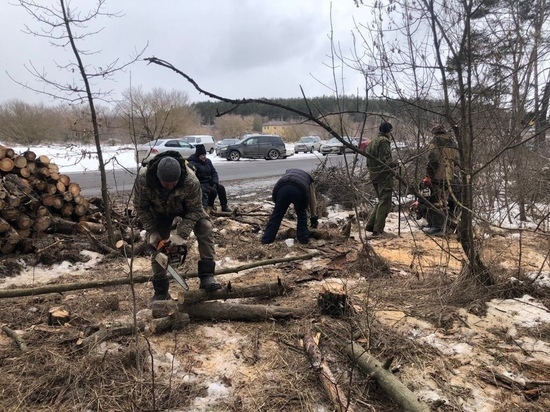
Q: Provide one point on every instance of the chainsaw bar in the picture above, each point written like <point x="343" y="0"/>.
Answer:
<point x="163" y="260"/>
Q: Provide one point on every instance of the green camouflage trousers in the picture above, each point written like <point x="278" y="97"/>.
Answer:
<point x="377" y="218"/>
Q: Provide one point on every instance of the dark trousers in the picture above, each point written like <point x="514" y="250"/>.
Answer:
<point x="203" y="231"/>
<point x="210" y="193"/>
<point x="377" y="218"/>
<point x="286" y="195"/>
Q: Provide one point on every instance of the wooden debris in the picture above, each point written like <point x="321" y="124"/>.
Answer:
<point x="266" y="290"/>
<point x="16" y="338"/>
<point x="32" y="188"/>
<point x="175" y="321"/>
<point x="390" y="384"/>
<point x="333" y="299"/>
<point x="329" y="382"/>
<point x="241" y="312"/>
<point x="106" y="333"/>
<point x="58" y="315"/>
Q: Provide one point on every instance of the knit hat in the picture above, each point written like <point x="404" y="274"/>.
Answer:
<point x="200" y="149"/>
<point x="385" y="127"/>
<point x="169" y="170"/>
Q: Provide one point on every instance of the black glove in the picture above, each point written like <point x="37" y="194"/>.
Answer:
<point x="314" y="222"/>
<point x="215" y="186"/>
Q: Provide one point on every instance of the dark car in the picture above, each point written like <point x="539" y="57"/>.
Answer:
<point x="223" y="144"/>
<point x="260" y="146"/>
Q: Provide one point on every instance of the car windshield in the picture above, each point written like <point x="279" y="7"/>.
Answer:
<point x="306" y="140"/>
<point x="334" y="140"/>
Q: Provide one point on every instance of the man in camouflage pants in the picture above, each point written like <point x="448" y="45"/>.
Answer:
<point x="167" y="189"/>
<point x="381" y="170"/>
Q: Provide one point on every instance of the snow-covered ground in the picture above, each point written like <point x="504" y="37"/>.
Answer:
<point x="73" y="158"/>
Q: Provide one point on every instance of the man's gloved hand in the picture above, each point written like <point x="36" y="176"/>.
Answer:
<point x="314" y="222"/>
<point x="427" y="181"/>
<point x="176" y="240"/>
<point x="153" y="239"/>
<point x="215" y="186"/>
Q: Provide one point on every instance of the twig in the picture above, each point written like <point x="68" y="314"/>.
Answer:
<point x="12" y="334"/>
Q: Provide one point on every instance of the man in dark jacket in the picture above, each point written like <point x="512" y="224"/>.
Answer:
<point x="381" y="170"/>
<point x="295" y="186"/>
<point x="167" y="189"/>
<point x="442" y="158"/>
<point x="208" y="177"/>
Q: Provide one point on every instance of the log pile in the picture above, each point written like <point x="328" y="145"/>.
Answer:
<point x="34" y="198"/>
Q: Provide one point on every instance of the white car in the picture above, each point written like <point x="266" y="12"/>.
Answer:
<point x="147" y="152"/>
<point x="308" y="144"/>
<point x="335" y="146"/>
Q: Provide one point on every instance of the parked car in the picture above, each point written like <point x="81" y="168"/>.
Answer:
<point x="308" y="144"/>
<point x="261" y="146"/>
<point x="224" y="143"/>
<point x="147" y="152"/>
<point x="335" y="146"/>
<point x="208" y="141"/>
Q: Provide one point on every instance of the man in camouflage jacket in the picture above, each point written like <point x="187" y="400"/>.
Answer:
<point x="167" y="189"/>
<point x="443" y="156"/>
<point x="381" y="170"/>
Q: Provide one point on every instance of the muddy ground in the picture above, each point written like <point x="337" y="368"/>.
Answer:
<point x="452" y="343"/>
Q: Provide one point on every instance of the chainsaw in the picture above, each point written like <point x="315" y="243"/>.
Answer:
<point x="168" y="256"/>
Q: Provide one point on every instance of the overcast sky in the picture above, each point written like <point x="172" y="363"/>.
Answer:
<point x="234" y="48"/>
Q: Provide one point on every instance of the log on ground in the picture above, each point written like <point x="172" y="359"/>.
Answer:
<point x="242" y="312"/>
<point x="388" y="382"/>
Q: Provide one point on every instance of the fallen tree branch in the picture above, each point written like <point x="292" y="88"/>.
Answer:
<point x="329" y="382"/>
<point x="17" y="339"/>
<point x="240" y="312"/>
<point x="59" y="288"/>
<point x="104" y="334"/>
<point x="266" y="290"/>
<point x="389" y="383"/>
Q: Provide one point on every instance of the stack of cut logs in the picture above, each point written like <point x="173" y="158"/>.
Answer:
<point x="33" y="197"/>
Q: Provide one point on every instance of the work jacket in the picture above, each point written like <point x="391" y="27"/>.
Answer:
<point x="184" y="200"/>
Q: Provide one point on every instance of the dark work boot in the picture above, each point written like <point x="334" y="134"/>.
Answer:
<point x="161" y="289"/>
<point x="206" y="276"/>
<point x="225" y="208"/>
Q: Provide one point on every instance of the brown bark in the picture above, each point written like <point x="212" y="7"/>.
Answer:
<point x="329" y="382"/>
<point x="240" y="312"/>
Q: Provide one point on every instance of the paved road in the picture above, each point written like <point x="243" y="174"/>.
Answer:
<point x="237" y="176"/>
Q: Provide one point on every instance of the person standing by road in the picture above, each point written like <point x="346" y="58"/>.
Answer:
<point x="297" y="187"/>
<point x="167" y="189"/>
<point x="443" y="156"/>
<point x="381" y="171"/>
<point x="209" y="179"/>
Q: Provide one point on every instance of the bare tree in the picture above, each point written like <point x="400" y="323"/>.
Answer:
<point x="158" y="113"/>
<point x="66" y="27"/>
